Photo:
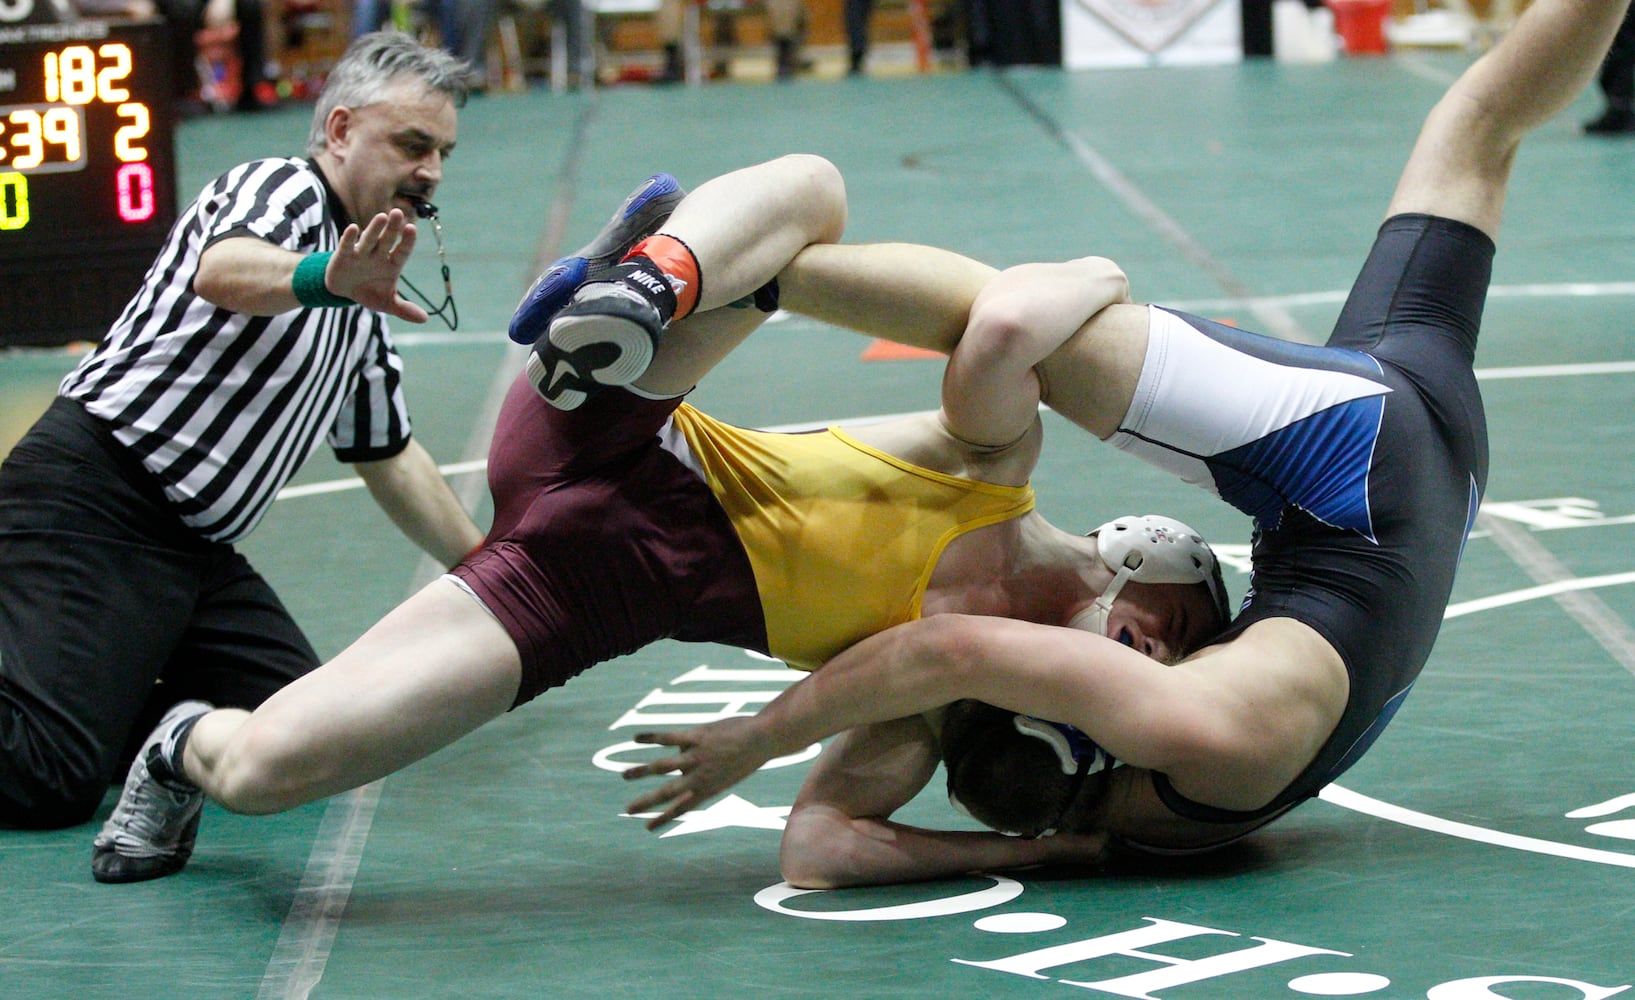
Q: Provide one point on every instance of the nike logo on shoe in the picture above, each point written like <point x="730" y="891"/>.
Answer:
<point x="655" y="283"/>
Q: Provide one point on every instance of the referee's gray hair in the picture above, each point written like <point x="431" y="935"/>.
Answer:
<point x="370" y="65"/>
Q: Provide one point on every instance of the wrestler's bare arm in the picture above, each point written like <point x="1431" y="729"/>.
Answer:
<point x="840" y="832"/>
<point x="991" y="389"/>
<point x="1158" y="717"/>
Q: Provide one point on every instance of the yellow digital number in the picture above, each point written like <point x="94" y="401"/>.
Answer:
<point x="61" y="127"/>
<point x="28" y="136"/>
<point x="120" y="55"/>
<point x="33" y="134"/>
<point x="70" y="75"/>
<point x="13" y="201"/>
<point x="127" y="137"/>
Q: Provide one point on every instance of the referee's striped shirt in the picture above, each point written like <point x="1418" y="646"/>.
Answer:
<point x="224" y="407"/>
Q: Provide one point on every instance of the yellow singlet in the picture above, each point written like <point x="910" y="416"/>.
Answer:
<point x="842" y="537"/>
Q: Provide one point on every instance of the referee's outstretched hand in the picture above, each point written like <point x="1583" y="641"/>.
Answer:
<point x="366" y="266"/>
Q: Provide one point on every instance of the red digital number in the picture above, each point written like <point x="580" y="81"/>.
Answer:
<point x="135" y="190"/>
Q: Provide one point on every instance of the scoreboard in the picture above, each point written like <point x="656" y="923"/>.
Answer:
<point x="87" y="171"/>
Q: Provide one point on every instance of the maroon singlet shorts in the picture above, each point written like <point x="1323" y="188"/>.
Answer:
<point x="603" y="541"/>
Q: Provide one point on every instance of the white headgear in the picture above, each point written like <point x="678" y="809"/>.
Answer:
<point x="1151" y="549"/>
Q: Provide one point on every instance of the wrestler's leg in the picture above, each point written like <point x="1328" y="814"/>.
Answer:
<point x="745" y="226"/>
<point x="1091" y="379"/>
<point x="923" y="296"/>
<point x="693" y="346"/>
<point x="431" y="671"/>
<point x="1460" y="166"/>
<point x="909" y="294"/>
<point x="1458" y="170"/>
<point x="722" y="245"/>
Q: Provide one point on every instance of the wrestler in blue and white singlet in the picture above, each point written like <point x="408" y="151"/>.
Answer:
<point x="1362" y="463"/>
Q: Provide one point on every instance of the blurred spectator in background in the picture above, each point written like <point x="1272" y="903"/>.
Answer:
<point x="786" y="24"/>
<point x="200" y="28"/>
<point x="857" y="14"/>
<point x="462" y="27"/>
<point x="1618" y="84"/>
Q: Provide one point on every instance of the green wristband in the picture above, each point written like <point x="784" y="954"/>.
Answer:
<point x="309" y="287"/>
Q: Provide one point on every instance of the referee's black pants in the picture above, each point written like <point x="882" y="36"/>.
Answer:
<point x="111" y="611"/>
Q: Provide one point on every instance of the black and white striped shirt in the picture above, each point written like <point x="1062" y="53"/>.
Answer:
<point x="223" y="407"/>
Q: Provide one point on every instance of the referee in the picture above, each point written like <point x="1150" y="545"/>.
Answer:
<point x="259" y="332"/>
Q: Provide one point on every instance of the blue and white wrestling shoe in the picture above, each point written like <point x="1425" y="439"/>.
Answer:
<point x="639" y="217"/>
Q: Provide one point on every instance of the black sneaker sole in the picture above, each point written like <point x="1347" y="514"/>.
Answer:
<point x="110" y="867"/>
<point x="556" y="382"/>
<point x="606" y="348"/>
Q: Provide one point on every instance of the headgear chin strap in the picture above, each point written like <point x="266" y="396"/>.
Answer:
<point x="1079" y="758"/>
<point x="1150" y="548"/>
<point x="1075" y="752"/>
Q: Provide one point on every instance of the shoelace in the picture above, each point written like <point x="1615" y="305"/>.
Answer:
<point x="153" y="821"/>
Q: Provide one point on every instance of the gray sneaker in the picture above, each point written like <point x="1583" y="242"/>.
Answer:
<point x="152" y="829"/>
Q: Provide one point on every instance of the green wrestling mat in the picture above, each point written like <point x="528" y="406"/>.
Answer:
<point x="1484" y="848"/>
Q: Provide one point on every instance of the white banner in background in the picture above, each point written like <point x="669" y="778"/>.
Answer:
<point x="1099" y="34"/>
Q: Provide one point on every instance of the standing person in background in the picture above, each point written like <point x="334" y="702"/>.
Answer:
<point x="246" y="18"/>
<point x="1617" y="81"/>
<point x="463" y="27"/>
<point x="259" y="332"/>
<point x="466" y="27"/>
<point x="857" y="13"/>
<point x="786" y="25"/>
<point x="577" y="41"/>
<point x="668" y="22"/>
<point x="186" y="19"/>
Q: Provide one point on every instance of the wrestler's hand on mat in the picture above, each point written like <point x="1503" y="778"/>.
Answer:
<point x="712" y="759"/>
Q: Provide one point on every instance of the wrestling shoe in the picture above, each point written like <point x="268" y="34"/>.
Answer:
<point x="555" y="379"/>
<point x="639" y="217"/>
<point x="152" y="829"/>
<point x="605" y="336"/>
